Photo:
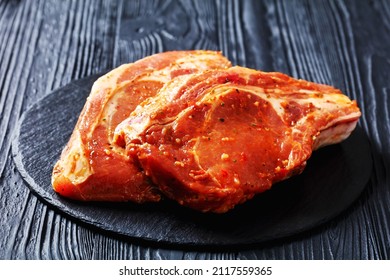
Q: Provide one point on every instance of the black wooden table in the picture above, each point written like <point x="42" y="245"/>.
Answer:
<point x="45" y="45"/>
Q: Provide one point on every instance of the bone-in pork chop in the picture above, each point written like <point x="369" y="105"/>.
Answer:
<point x="91" y="166"/>
<point x="214" y="139"/>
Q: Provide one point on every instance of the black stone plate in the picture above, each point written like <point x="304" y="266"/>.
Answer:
<point x="334" y="178"/>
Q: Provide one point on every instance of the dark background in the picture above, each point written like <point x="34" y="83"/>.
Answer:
<point x="46" y="44"/>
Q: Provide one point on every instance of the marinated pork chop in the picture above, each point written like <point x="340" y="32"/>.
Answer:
<point x="91" y="166"/>
<point x="214" y="139"/>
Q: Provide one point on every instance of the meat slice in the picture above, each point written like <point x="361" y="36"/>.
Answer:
<point x="214" y="139"/>
<point x="91" y="166"/>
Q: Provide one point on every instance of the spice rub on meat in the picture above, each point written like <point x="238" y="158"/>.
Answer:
<point x="214" y="139"/>
<point x="188" y="126"/>
<point x="91" y="166"/>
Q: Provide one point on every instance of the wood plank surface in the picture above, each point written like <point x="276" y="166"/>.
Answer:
<point x="44" y="44"/>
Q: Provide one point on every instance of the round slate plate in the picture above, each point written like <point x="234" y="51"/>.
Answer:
<point x="334" y="178"/>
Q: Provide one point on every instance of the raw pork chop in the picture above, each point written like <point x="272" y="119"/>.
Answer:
<point x="91" y="167"/>
<point x="214" y="139"/>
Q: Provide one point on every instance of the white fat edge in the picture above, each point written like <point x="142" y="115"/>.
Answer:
<point x="342" y="119"/>
<point x="224" y="89"/>
<point x="110" y="79"/>
<point x="144" y="112"/>
<point x="198" y="62"/>
<point x="109" y="109"/>
<point x="163" y="75"/>
<point x="166" y="94"/>
<point x="75" y="157"/>
<point x="331" y="102"/>
<point x="106" y="82"/>
<point x="334" y="134"/>
<point x="75" y="164"/>
<point x="108" y="113"/>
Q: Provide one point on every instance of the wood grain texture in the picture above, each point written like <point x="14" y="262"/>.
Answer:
<point x="46" y="44"/>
